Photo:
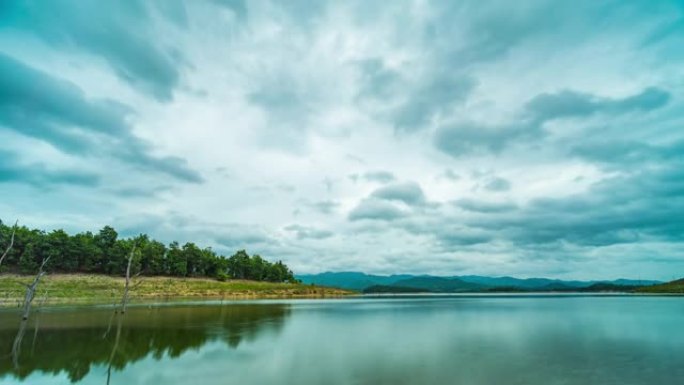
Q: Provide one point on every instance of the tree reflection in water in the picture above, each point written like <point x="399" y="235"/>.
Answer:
<point x="73" y="341"/>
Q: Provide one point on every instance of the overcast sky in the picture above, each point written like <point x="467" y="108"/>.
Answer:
<point x="526" y="138"/>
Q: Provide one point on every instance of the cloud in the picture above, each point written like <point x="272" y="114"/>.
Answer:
<point x="119" y="113"/>
<point x="457" y="238"/>
<point x="484" y="206"/>
<point x="243" y="239"/>
<point x="466" y="137"/>
<point x="118" y="32"/>
<point x="411" y="104"/>
<point x="55" y="111"/>
<point x="374" y="209"/>
<point x="568" y="104"/>
<point x="38" y="175"/>
<point x="497" y="184"/>
<point x="432" y="97"/>
<point x="622" y="209"/>
<point x="450" y="175"/>
<point x="409" y="193"/>
<point x="621" y="153"/>
<point x="325" y="207"/>
<point x="305" y="232"/>
<point x="379" y="176"/>
<point x="237" y="6"/>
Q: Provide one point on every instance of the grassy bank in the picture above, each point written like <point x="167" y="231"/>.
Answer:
<point x="674" y="287"/>
<point x="100" y="289"/>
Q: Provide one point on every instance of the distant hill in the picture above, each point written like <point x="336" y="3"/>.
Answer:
<point x="523" y="283"/>
<point x="380" y="289"/>
<point x="458" y="284"/>
<point x="350" y="280"/>
<point x="439" y="284"/>
<point x="546" y="283"/>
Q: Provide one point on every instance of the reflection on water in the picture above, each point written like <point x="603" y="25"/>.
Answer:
<point x="450" y="340"/>
<point x="73" y="341"/>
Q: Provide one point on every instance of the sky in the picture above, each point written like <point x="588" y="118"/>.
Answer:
<point x="526" y="138"/>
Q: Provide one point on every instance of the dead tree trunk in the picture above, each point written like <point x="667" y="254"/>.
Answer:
<point x="9" y="247"/>
<point x="31" y="290"/>
<point x="124" y="299"/>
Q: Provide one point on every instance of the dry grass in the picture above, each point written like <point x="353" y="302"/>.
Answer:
<point x="101" y="289"/>
<point x="674" y="287"/>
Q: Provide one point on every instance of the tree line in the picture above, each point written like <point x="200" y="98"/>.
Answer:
<point x="106" y="253"/>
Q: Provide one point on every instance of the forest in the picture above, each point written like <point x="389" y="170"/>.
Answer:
<point x="106" y="253"/>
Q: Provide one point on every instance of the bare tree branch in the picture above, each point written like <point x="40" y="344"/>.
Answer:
<point x="14" y="231"/>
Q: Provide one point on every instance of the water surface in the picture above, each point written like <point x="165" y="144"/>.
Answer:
<point x="470" y="340"/>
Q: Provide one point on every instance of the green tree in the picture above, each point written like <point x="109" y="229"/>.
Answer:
<point x="238" y="265"/>
<point x="178" y="265"/>
<point x="27" y="262"/>
<point x="106" y="253"/>
<point x="105" y="241"/>
<point x="193" y="257"/>
<point x="88" y="253"/>
<point x="152" y="258"/>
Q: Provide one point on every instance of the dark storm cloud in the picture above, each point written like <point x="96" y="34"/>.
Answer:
<point x="40" y="106"/>
<point x="117" y="31"/>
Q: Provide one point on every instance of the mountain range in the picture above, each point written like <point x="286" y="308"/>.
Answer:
<point x="455" y="284"/>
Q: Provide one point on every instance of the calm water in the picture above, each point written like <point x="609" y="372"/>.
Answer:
<point x="432" y="340"/>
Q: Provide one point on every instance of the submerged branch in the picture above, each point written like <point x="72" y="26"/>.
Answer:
<point x="31" y="290"/>
<point x="16" y="345"/>
<point x="114" y="348"/>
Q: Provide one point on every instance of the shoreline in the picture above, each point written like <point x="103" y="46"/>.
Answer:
<point x="87" y="289"/>
<point x="63" y="290"/>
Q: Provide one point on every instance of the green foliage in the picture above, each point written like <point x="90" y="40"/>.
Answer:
<point x="27" y="261"/>
<point x="106" y="253"/>
<point x="221" y="276"/>
<point x="242" y="266"/>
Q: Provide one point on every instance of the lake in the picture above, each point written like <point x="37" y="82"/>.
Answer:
<point x="468" y="340"/>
